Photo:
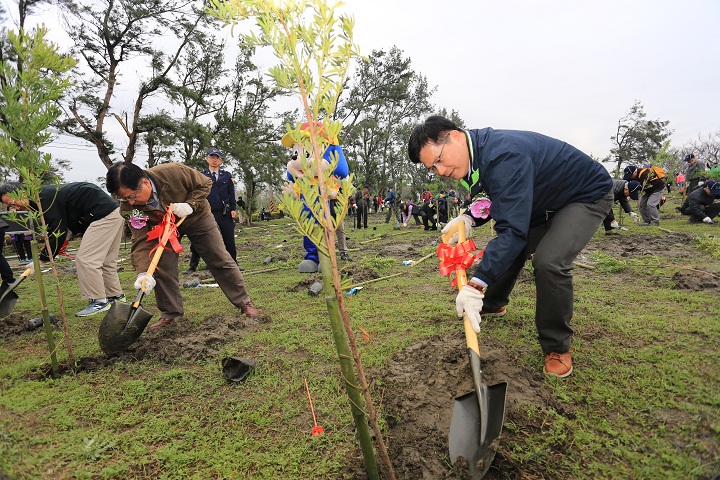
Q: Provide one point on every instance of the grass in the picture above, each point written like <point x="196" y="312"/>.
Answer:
<point x="642" y="403"/>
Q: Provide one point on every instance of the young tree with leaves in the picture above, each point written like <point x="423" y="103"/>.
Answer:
<point x="314" y="49"/>
<point x="637" y="139"/>
<point x="30" y="87"/>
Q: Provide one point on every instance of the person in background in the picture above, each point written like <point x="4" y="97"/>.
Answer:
<point x="700" y="205"/>
<point x="409" y="209"/>
<point x="694" y="173"/>
<point x="145" y="195"/>
<point x="548" y="200"/>
<point x="652" y="181"/>
<point x="680" y="182"/>
<point x="362" y="204"/>
<point x="23" y="247"/>
<point x="622" y="190"/>
<point x="223" y="205"/>
<point x="391" y="201"/>
<point x="6" y="272"/>
<point x="80" y="208"/>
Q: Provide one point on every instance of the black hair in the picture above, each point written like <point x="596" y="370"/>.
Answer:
<point x="10" y="187"/>
<point x="429" y="131"/>
<point x="124" y="174"/>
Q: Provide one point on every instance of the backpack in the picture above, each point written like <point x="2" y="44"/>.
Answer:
<point x="653" y="173"/>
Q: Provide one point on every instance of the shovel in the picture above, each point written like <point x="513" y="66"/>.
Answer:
<point x="478" y="416"/>
<point x="125" y="322"/>
<point x="8" y="298"/>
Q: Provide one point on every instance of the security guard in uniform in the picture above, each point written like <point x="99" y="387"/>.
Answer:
<point x="222" y="205"/>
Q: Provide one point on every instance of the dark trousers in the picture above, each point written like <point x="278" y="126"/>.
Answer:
<point x="553" y="247"/>
<point x="24" y="249"/>
<point x="392" y="208"/>
<point x="608" y="220"/>
<point x="711" y="211"/>
<point x="428" y="213"/>
<point x="691" y="185"/>
<point x="226" y="225"/>
<point x="206" y="239"/>
<point x="6" y="272"/>
<point x="362" y="215"/>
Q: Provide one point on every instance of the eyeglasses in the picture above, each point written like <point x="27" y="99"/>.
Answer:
<point x="438" y="160"/>
<point x="132" y="198"/>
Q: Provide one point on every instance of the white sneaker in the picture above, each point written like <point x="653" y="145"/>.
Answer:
<point x="94" y="307"/>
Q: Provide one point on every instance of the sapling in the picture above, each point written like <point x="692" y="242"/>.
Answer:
<point x="315" y="47"/>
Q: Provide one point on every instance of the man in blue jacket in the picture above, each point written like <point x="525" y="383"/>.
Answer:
<point x="548" y="199"/>
<point x="222" y="205"/>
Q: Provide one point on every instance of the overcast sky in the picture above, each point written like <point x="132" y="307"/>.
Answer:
<point x="568" y="69"/>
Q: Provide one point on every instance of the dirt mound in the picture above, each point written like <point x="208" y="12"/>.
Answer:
<point x="420" y="386"/>
<point x="181" y="341"/>
<point x="696" y="280"/>
<point x="669" y="245"/>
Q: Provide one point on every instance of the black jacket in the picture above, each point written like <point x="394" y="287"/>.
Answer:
<point x="695" y="204"/>
<point x="527" y="176"/>
<point x="222" y="192"/>
<point x="72" y="207"/>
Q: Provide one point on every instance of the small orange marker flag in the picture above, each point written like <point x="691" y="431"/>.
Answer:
<point x="317" y="429"/>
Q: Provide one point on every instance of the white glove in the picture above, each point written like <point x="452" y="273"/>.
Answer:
<point x="634" y="216"/>
<point x="149" y="282"/>
<point x="707" y="220"/>
<point x="181" y="209"/>
<point x="468" y="228"/>
<point x="470" y="301"/>
<point x="614" y="224"/>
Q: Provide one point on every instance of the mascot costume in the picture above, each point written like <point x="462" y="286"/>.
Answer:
<point x="311" y="262"/>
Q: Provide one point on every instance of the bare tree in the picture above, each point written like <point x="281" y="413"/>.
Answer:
<point x="145" y="39"/>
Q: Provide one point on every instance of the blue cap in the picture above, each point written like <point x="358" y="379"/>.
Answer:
<point x="634" y="188"/>
<point x="215" y="151"/>
<point x="628" y="172"/>
<point x="688" y="157"/>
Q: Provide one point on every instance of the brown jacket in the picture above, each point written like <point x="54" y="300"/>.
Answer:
<point x="175" y="183"/>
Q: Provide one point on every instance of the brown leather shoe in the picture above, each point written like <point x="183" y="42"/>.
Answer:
<point x="163" y="322"/>
<point x="250" y="310"/>
<point x="498" y="313"/>
<point x="558" y="364"/>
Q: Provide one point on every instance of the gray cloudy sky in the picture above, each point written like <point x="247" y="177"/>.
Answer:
<point x="568" y="69"/>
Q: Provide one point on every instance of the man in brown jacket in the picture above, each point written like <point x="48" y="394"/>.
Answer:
<point x="145" y="194"/>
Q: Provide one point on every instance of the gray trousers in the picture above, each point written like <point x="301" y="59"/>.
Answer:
<point x="648" y="206"/>
<point x="554" y="247"/>
<point x="207" y="241"/>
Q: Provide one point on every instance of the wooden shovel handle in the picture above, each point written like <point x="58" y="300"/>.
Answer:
<point x="471" y="339"/>
<point x="161" y="249"/>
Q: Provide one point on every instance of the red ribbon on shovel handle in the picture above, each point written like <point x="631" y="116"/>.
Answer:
<point x="471" y="338"/>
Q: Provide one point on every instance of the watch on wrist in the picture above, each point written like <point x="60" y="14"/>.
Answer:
<point x="476" y="286"/>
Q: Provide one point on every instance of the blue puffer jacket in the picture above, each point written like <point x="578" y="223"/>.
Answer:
<point x="528" y="177"/>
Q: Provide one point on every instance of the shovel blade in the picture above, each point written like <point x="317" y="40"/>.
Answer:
<point x="468" y="438"/>
<point x="8" y="299"/>
<point x="121" y="327"/>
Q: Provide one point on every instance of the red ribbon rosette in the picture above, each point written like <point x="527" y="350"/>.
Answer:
<point x="459" y="256"/>
<point x="160" y="234"/>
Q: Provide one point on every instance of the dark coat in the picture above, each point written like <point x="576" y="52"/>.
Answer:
<point x="527" y="176"/>
<point x="222" y="192"/>
<point x="72" y="207"/>
<point x="695" y="204"/>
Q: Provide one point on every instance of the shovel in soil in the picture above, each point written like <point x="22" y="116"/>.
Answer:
<point x="478" y="416"/>
<point x="125" y="322"/>
<point x="8" y="297"/>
